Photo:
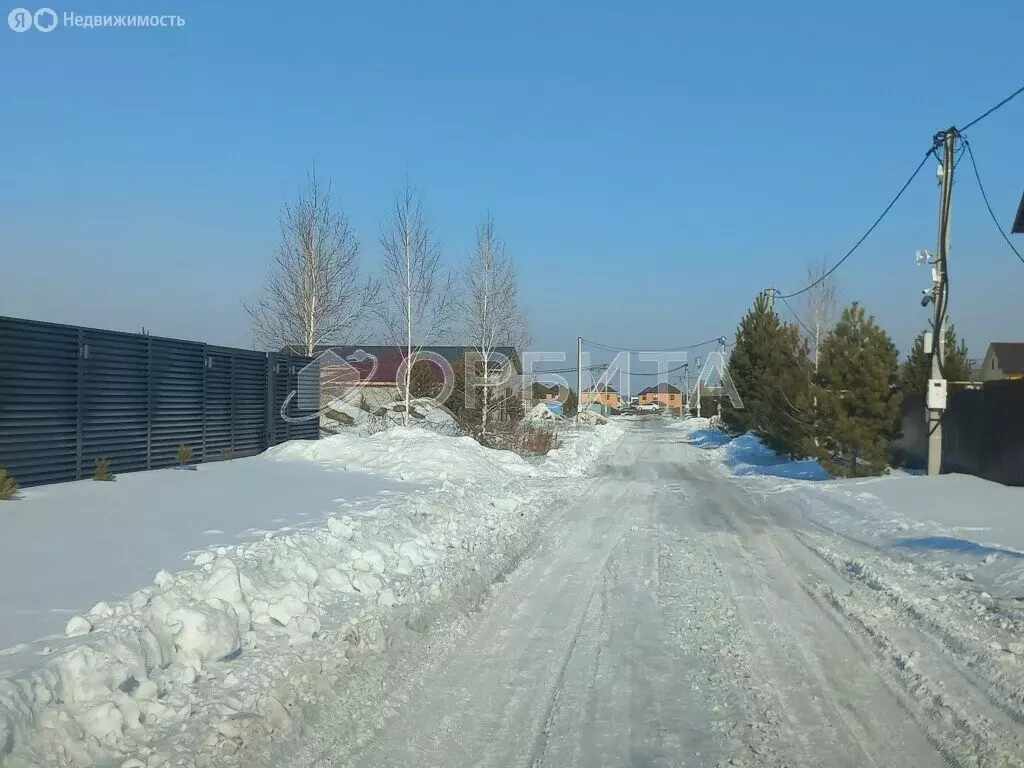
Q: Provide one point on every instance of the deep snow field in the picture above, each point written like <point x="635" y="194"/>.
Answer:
<point x="268" y="577"/>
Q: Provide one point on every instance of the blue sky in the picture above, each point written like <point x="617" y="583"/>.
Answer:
<point x="652" y="165"/>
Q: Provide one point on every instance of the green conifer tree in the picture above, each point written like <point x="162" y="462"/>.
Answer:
<point x="424" y="379"/>
<point x="860" y="407"/>
<point x="916" y="369"/>
<point x="770" y="368"/>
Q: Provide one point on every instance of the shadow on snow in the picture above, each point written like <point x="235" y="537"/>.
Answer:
<point x="951" y="544"/>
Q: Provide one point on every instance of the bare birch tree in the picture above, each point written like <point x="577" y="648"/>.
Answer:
<point x="487" y="298"/>
<point x="822" y="307"/>
<point x="314" y="293"/>
<point x="416" y="305"/>
<point x="822" y="311"/>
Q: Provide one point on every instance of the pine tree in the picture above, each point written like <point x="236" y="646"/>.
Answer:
<point x="424" y="380"/>
<point x="769" y="366"/>
<point x="916" y="369"/>
<point x="860" y="411"/>
<point x="468" y="418"/>
<point x="571" y="404"/>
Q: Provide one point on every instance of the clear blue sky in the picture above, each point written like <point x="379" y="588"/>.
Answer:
<point x="652" y="165"/>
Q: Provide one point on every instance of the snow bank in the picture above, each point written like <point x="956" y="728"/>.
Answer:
<point x="64" y="547"/>
<point x="205" y="666"/>
<point x="963" y="524"/>
<point x="542" y="416"/>
<point x="355" y="420"/>
<point x="437" y="457"/>
<point x="746" y="454"/>
<point x="579" y="449"/>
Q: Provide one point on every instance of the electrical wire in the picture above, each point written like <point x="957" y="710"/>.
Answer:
<point x="793" y="312"/>
<point x="602" y="366"/>
<point x="985" y="114"/>
<point x="598" y="345"/>
<point x="660" y="373"/>
<point x="984" y="196"/>
<point x="570" y="370"/>
<point x="865" y="236"/>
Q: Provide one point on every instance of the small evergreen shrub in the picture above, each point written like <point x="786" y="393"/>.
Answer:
<point x="184" y="455"/>
<point x="102" y="470"/>
<point x="8" y="488"/>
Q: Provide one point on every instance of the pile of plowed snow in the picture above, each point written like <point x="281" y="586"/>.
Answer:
<point x="437" y="457"/>
<point x="204" y="667"/>
<point x="346" y="417"/>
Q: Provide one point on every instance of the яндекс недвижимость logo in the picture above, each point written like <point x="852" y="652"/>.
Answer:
<point x="22" y="19"/>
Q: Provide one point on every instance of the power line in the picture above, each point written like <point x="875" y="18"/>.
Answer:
<point x="596" y="367"/>
<point x="865" y="236"/>
<point x="983" y="115"/>
<point x="598" y="345"/>
<point x="984" y="196"/>
<point x="660" y="373"/>
<point x="793" y="312"/>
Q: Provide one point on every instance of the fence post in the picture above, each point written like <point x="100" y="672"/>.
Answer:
<point x="206" y="384"/>
<point x="232" y="399"/>
<point x="270" y="430"/>
<point x="149" y="402"/>
<point x="79" y="403"/>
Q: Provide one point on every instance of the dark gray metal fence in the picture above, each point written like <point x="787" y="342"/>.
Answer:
<point x="70" y="395"/>
<point x="982" y="432"/>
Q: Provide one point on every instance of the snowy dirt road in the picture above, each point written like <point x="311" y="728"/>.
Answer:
<point x="672" y="618"/>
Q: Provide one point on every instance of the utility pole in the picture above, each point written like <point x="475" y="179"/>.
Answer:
<point x="771" y="299"/>
<point x="936" y="396"/>
<point x="579" y="378"/>
<point x="697" y="387"/>
<point x="686" y="386"/>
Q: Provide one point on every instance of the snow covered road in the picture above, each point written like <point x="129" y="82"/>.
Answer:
<point x="673" y="616"/>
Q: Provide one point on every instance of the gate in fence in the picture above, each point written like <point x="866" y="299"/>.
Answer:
<point x="70" y="395"/>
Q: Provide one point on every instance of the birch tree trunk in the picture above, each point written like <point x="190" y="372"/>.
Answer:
<point x="488" y="302"/>
<point x="416" y="296"/>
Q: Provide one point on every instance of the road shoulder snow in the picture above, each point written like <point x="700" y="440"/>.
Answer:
<point x="207" y="665"/>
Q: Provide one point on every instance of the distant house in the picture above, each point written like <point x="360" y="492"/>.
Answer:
<point x="603" y="395"/>
<point x="541" y="393"/>
<point x="664" y="395"/>
<point x="1003" y="360"/>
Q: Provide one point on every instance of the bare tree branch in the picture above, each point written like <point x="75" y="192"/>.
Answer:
<point x="314" y="293"/>
<point x="822" y="306"/>
<point x="487" y="298"/>
<point x="416" y="306"/>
